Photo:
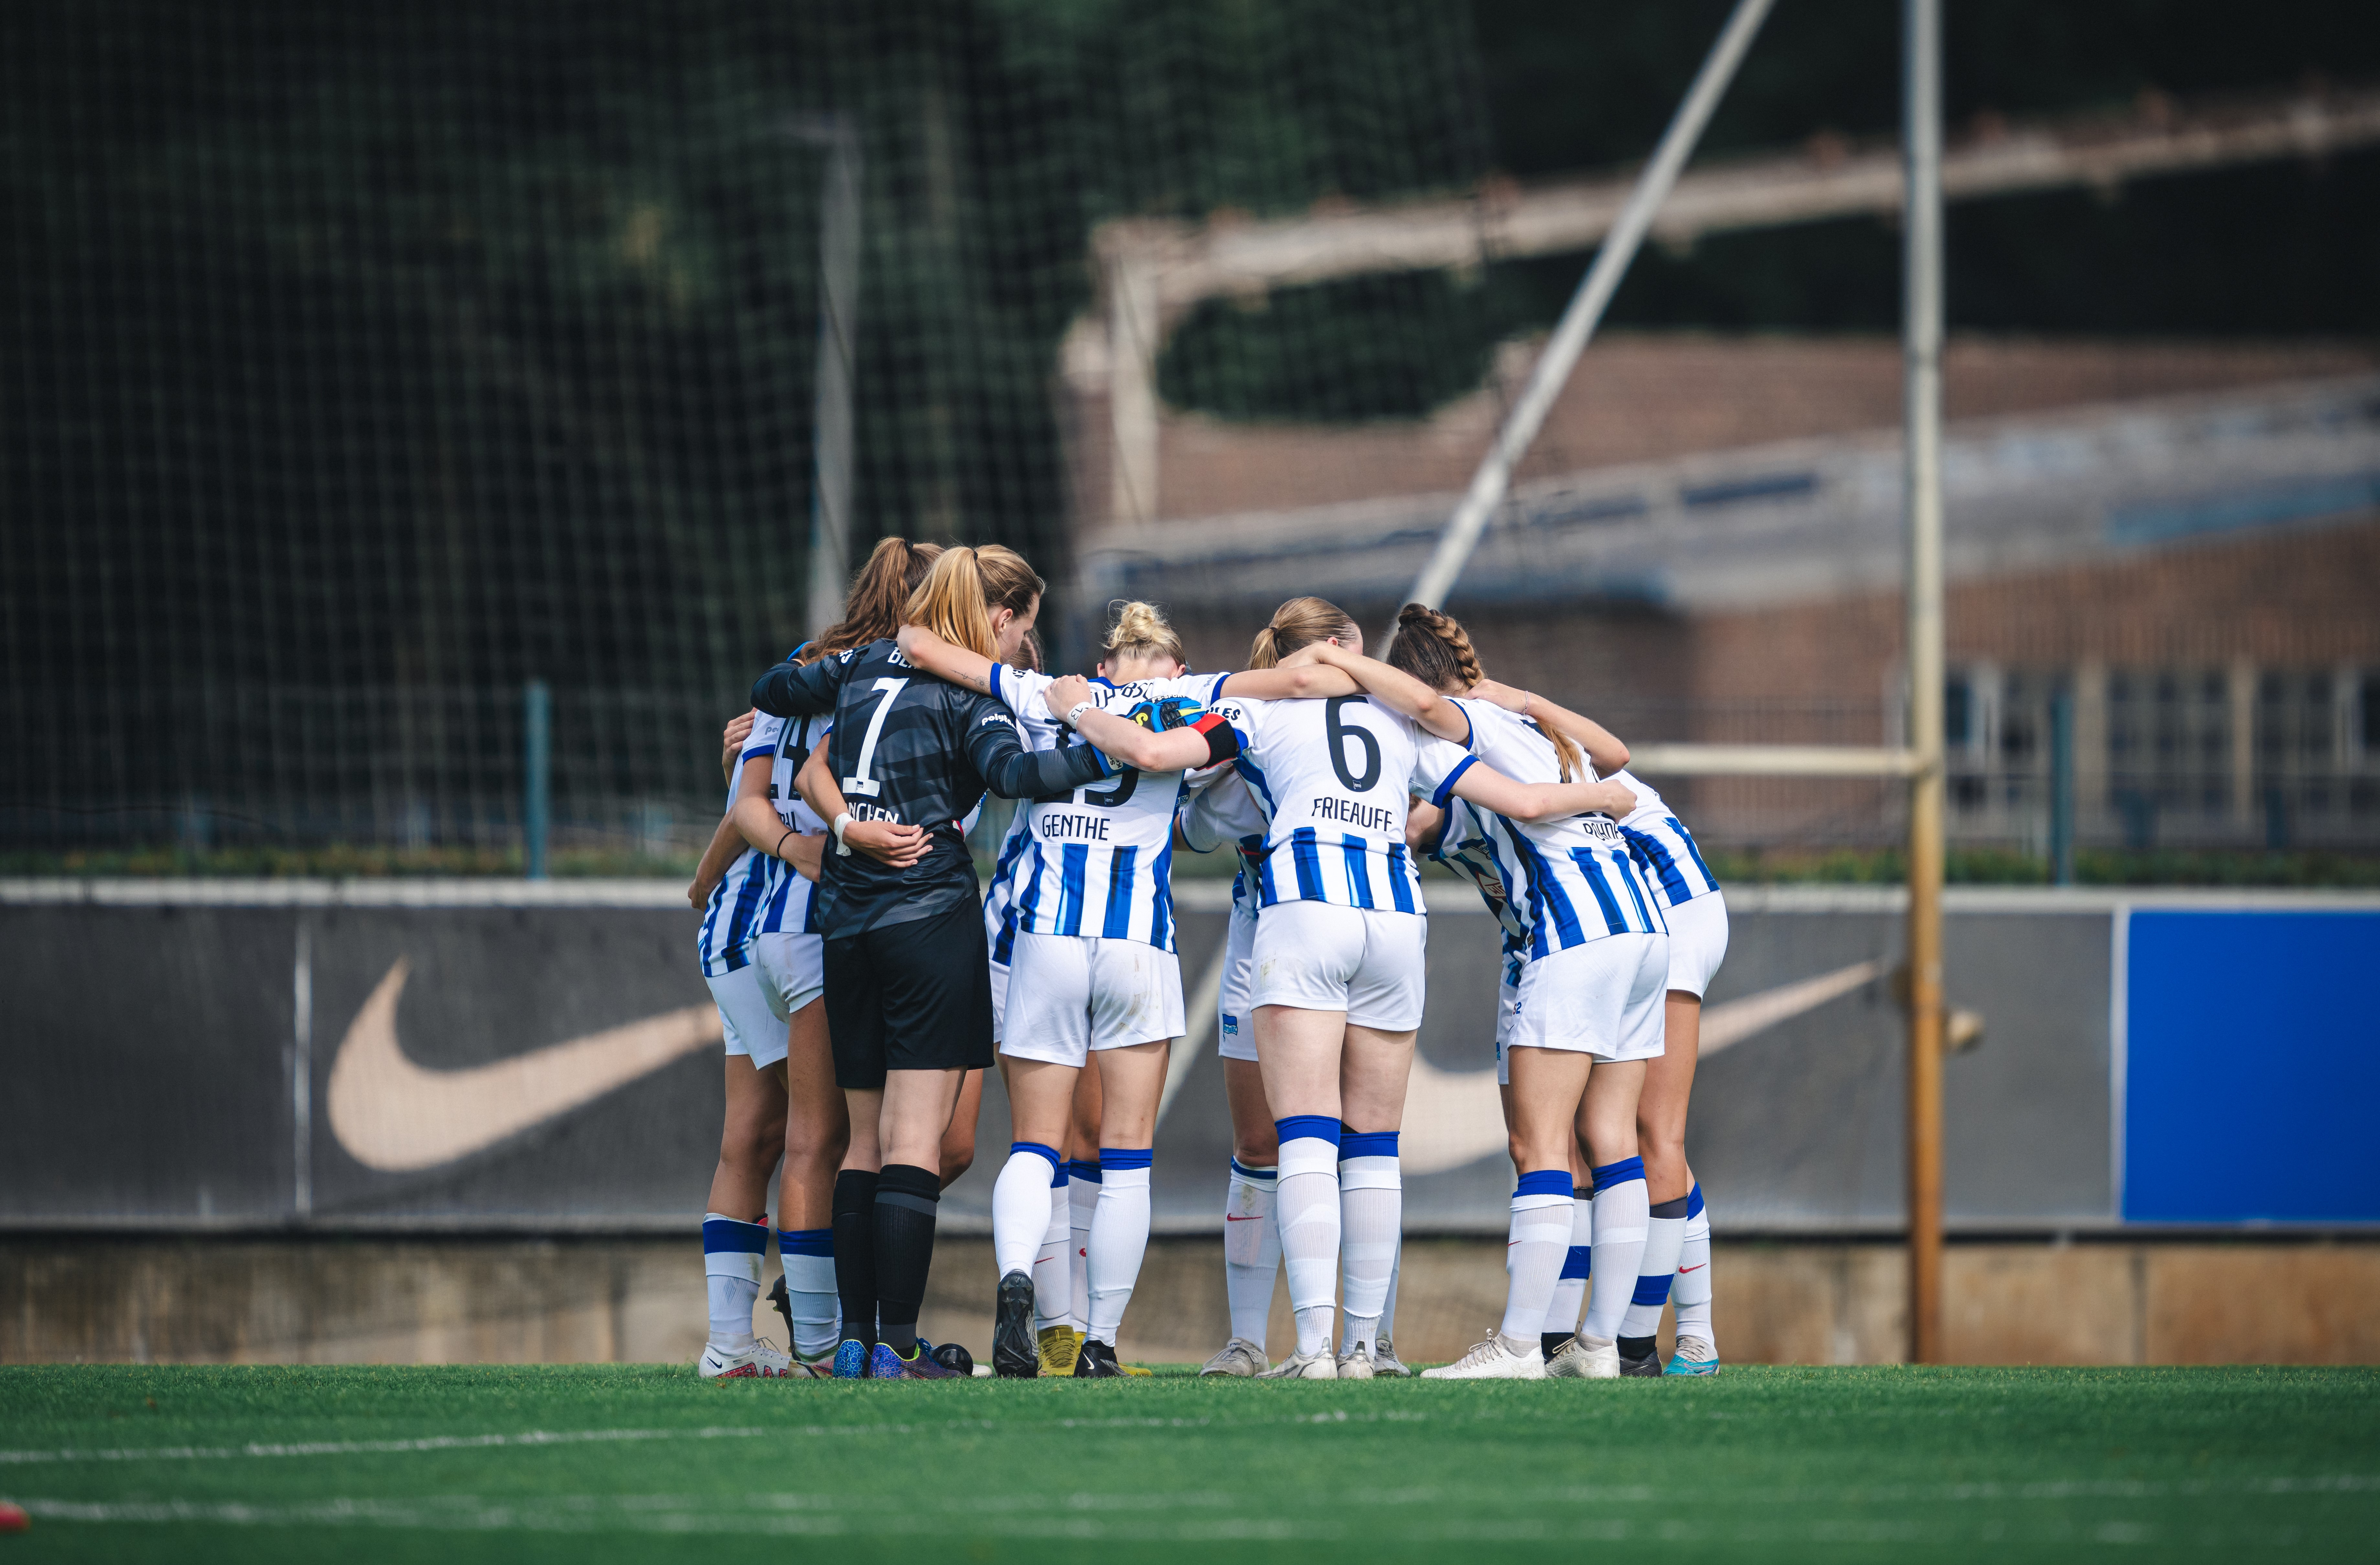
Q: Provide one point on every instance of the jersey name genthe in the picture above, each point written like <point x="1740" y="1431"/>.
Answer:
<point x="1332" y="777"/>
<point x="1099" y="861"/>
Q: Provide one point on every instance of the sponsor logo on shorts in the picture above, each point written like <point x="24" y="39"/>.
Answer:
<point x="1231" y="1027"/>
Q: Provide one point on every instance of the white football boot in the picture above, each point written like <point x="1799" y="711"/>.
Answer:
<point x="761" y="1360"/>
<point x="1240" y="1359"/>
<point x="1499" y="1358"/>
<point x="1306" y="1366"/>
<point x="1695" y="1355"/>
<point x="1354" y="1363"/>
<point x="1385" y="1361"/>
<point x="1586" y="1358"/>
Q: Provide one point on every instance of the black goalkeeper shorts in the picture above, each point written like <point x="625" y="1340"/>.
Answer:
<point x="910" y="997"/>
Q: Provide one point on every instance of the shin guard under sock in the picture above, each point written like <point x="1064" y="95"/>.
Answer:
<point x="1309" y="1207"/>
<point x="855" y="1252"/>
<point x="1251" y="1249"/>
<point x="1619" y="1212"/>
<point x="907" y="1200"/>
<point x="732" y="1253"/>
<point x="1119" y="1238"/>
<point x="1534" y="1254"/>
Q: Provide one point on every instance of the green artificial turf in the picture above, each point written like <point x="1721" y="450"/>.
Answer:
<point x="1767" y="1463"/>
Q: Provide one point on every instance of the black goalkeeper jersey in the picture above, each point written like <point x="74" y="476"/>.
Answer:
<point x="909" y="748"/>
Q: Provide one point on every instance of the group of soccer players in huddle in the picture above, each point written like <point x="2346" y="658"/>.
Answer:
<point x="864" y="983"/>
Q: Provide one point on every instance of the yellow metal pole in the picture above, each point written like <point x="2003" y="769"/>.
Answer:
<point x="1921" y="152"/>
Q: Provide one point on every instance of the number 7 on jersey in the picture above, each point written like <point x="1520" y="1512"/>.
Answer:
<point x="859" y="782"/>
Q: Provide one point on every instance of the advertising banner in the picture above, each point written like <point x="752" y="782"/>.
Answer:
<point x="517" y="1056"/>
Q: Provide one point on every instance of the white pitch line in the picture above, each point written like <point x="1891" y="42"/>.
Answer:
<point x="535" y="1438"/>
<point x="381" y="1448"/>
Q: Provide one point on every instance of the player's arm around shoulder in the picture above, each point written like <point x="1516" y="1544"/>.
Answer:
<point x="794" y="690"/>
<point x="1205" y="740"/>
<point x="1008" y="770"/>
<point x="1491" y="790"/>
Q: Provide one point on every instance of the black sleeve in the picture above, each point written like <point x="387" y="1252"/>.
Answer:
<point x="792" y="691"/>
<point x="1010" y="771"/>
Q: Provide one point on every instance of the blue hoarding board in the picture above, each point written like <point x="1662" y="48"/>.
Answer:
<point x="2252" y="1067"/>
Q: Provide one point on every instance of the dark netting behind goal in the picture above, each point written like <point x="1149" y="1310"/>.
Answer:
<point x="361" y="365"/>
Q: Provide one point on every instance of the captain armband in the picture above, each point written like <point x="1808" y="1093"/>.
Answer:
<point x="1222" y="740"/>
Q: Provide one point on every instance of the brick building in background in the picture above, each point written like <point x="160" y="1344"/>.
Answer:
<point x="1705" y="545"/>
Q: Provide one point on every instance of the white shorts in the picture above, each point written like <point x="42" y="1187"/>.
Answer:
<point x="1697" y="942"/>
<point x="1606" y="999"/>
<point x="792" y="966"/>
<point x="750" y="1016"/>
<point x="1070" y="994"/>
<point x="1238" y="1027"/>
<point x="999" y="997"/>
<point x="1366" y="962"/>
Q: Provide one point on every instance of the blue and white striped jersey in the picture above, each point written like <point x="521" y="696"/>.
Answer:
<point x="1332" y="777"/>
<point x="1664" y="848"/>
<point x="1000" y="901"/>
<point x="786" y="906"/>
<point x="1562" y="882"/>
<point x="1227" y="810"/>
<point x="744" y="897"/>
<point x="1099" y="862"/>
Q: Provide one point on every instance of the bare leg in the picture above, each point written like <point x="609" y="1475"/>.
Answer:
<point x="1254" y="1141"/>
<point x="958" y="1138"/>
<point x="1662" y="1108"/>
<point x="817" y="1129"/>
<point x="751" y="1138"/>
<point x="817" y="1126"/>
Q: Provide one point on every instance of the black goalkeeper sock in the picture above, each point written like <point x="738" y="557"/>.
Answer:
<point x="1636" y="1350"/>
<point x="1551" y="1342"/>
<point x="907" y="1200"/>
<point x="855" y="1251"/>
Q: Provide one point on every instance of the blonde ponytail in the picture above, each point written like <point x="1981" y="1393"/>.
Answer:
<point x="958" y="594"/>
<point x="950" y="604"/>
<point x="1301" y="622"/>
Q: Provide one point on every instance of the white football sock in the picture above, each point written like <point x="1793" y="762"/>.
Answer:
<point x="1119" y="1237"/>
<point x="1619" y="1224"/>
<point x="1020" y="1206"/>
<point x="1534" y="1254"/>
<point x="1082" y="1200"/>
<point x="1396" y="1270"/>
<point x="808" y="1257"/>
<point x="1251" y="1249"/>
<point x="730" y="1260"/>
<point x="1054" y="1293"/>
<point x="1665" y="1231"/>
<point x="1692" y="1293"/>
<point x="1569" y="1301"/>
<point x="1308" y="1209"/>
<point x="1371" y="1208"/>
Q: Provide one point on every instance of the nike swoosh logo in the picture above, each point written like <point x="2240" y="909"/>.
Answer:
<point x="399" y="1117"/>
<point x="1453" y="1117"/>
<point x="1683" y="1270"/>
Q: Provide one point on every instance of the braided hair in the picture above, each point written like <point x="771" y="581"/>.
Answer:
<point x="1435" y="649"/>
